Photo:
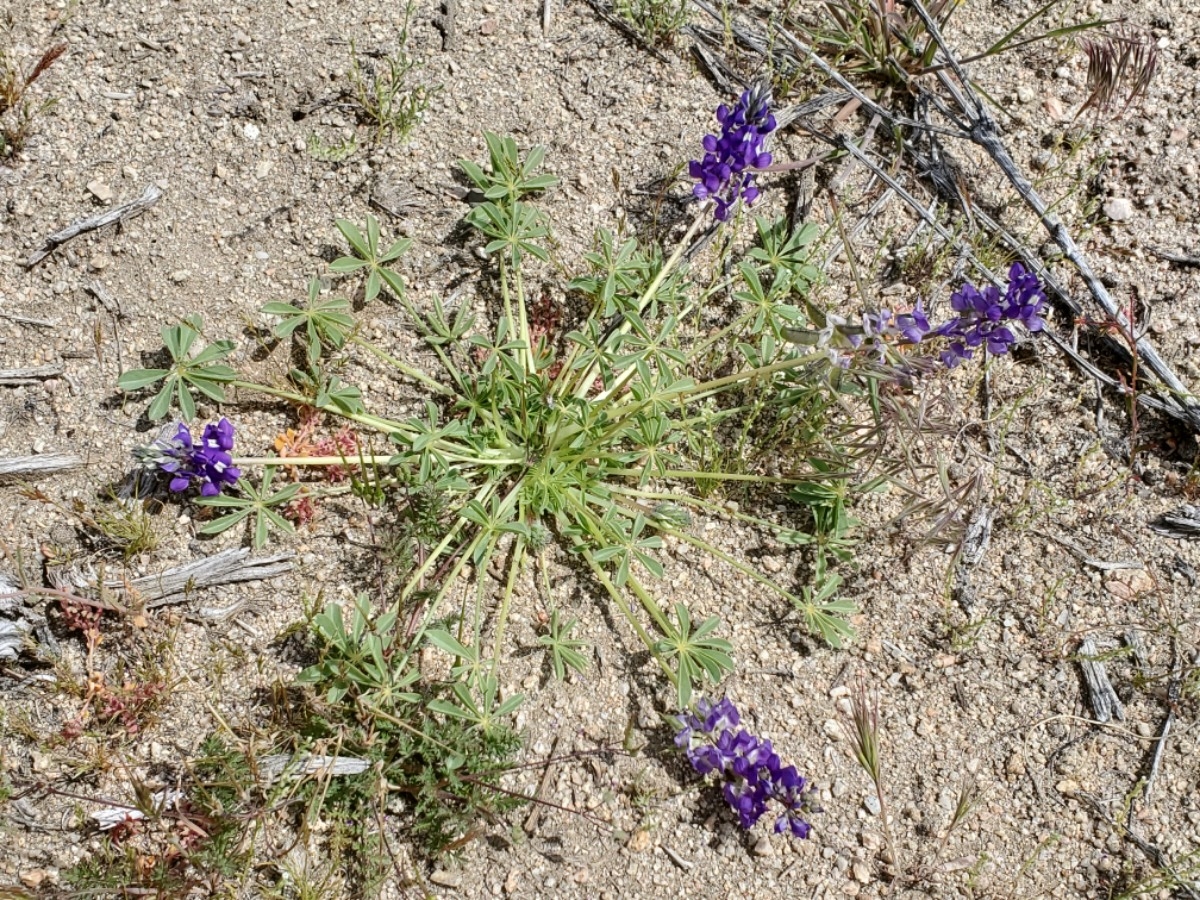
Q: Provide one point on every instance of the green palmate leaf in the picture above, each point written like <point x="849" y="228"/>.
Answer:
<point x="208" y="386"/>
<point x="344" y="265"/>
<point x="448" y="643"/>
<point x="183" y="397"/>
<point x="697" y="654"/>
<point x="784" y="251"/>
<point x="510" y="177"/>
<point x="161" y="404"/>
<point x="479" y="707"/>
<point x="325" y="323"/>
<point x="178" y="339"/>
<point x="200" y="371"/>
<point x="334" y="394"/>
<point x="564" y="649"/>
<point x="826" y="615"/>
<point x="355" y="238"/>
<point x="358" y="660"/>
<point x="136" y="379"/>
<point x="368" y="256"/>
<point x="257" y="502"/>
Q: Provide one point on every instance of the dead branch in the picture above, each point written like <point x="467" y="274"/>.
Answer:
<point x="32" y="375"/>
<point x="1101" y="697"/>
<point x="18" y="467"/>
<point x="125" y="211"/>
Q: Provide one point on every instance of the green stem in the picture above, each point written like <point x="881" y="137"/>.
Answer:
<point x="523" y="317"/>
<point x="706" y="388"/>
<point x="502" y="619"/>
<point x="243" y="461"/>
<point x="622" y="605"/>
<point x="691" y="394"/>
<point x="726" y="558"/>
<point x="376" y="422"/>
<point x="415" y="374"/>
<point x="706" y="505"/>
<point x="715" y="476"/>
<point x="426" y="333"/>
<point x="589" y="376"/>
<point x="595" y="528"/>
<point x="449" y="451"/>
<point x="298" y="399"/>
<point x="701" y="347"/>
<point x="436" y="553"/>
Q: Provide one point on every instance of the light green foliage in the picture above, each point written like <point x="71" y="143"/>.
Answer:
<point x="602" y="440"/>
<point x="259" y="505"/>
<point x="565" y="651"/>
<point x="358" y="658"/>
<point x="369" y="256"/>
<point x="696" y="653"/>
<point x="201" y="371"/>
<point x="324" y="322"/>
<point x="331" y="152"/>
<point x="511" y="177"/>
<point x="657" y="21"/>
<point x="443" y="746"/>
<point x="388" y="98"/>
<point x="561" y="441"/>
<point x="866" y="38"/>
<point x="124" y="527"/>
<point x="888" y="42"/>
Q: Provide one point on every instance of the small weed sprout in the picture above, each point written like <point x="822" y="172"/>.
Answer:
<point x="657" y="21"/>
<point x="1118" y="64"/>
<point x="565" y="651"/>
<point x="877" y="38"/>
<point x="384" y="91"/>
<point x="126" y="528"/>
<point x="17" y="112"/>
<point x="863" y="722"/>
<point x="862" y="726"/>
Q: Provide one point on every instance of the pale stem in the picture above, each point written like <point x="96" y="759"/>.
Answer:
<point x="513" y="570"/>
<point x="415" y="374"/>
<point x="590" y="375"/>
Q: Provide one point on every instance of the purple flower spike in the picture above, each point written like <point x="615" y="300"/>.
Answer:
<point x="984" y="316"/>
<point x="725" y="174"/>
<point x="207" y="463"/>
<point x="752" y="775"/>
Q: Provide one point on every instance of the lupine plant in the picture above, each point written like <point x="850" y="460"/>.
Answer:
<point x="601" y="442"/>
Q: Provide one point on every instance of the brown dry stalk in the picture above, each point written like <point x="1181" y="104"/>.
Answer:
<point x="47" y="60"/>
<point x="1117" y="61"/>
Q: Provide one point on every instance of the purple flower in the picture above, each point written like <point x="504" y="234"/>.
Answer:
<point x="1026" y="301"/>
<point x="720" y="716"/>
<point x="725" y="173"/>
<point x="753" y="776"/>
<point x="913" y="326"/>
<point x="983" y="320"/>
<point x="984" y="316"/>
<point x="207" y="463"/>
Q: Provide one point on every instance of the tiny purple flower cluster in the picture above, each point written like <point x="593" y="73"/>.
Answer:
<point x="207" y="463"/>
<point x="741" y="146"/>
<point x="752" y="771"/>
<point x="983" y="319"/>
<point x="983" y="316"/>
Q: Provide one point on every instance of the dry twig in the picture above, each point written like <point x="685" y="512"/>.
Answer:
<point x="1101" y="697"/>
<point x="13" y="377"/>
<point x="125" y="211"/>
<point x="18" y="467"/>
